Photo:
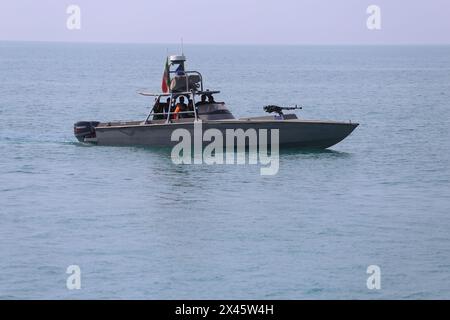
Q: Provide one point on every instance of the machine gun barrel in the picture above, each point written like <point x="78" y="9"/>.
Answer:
<point x="278" y="109"/>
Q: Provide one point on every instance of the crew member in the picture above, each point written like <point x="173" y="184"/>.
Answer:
<point x="203" y="100"/>
<point x="190" y="108"/>
<point x="181" y="107"/>
<point x="158" y="108"/>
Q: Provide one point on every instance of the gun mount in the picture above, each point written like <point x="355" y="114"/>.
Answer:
<point x="279" y="110"/>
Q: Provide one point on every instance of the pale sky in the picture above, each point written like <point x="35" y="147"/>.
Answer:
<point x="228" y="21"/>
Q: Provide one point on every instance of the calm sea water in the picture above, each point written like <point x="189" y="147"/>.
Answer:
<point x="141" y="227"/>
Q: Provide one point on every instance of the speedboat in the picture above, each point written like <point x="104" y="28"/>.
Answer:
<point x="165" y="117"/>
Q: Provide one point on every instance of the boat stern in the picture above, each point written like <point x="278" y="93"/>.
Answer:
<point x="84" y="131"/>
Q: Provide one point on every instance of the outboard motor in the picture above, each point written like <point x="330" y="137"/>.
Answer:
<point x="85" y="129"/>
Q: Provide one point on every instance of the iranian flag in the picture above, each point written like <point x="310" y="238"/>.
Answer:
<point x="165" y="85"/>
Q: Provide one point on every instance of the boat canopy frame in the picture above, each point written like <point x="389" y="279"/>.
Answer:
<point x="173" y="96"/>
<point x="189" y="92"/>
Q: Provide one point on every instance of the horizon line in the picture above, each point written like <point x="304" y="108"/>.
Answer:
<point x="231" y="43"/>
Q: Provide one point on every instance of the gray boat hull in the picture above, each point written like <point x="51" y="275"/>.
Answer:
<point x="292" y="133"/>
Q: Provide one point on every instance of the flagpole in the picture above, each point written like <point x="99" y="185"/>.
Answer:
<point x="182" y="47"/>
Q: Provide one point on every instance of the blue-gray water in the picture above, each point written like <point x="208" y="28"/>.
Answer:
<point x="141" y="227"/>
